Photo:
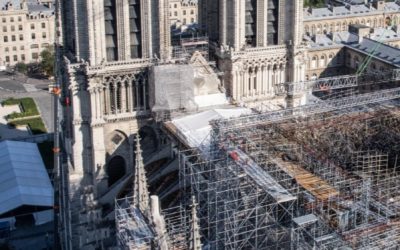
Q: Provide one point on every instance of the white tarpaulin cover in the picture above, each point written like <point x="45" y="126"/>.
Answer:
<point x="23" y="177"/>
<point x="196" y="128"/>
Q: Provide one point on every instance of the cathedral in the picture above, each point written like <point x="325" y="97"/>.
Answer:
<point x="122" y="77"/>
<point x="257" y="44"/>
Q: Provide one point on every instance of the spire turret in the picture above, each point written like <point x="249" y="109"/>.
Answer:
<point x="141" y="195"/>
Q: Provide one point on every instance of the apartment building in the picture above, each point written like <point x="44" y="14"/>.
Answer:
<point x="183" y="12"/>
<point x="26" y="29"/>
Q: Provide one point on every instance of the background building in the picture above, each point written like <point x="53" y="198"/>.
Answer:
<point x="26" y="29"/>
<point x="183" y="12"/>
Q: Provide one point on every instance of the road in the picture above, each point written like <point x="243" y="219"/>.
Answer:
<point x="21" y="86"/>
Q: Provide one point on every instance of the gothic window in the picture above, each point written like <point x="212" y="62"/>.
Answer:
<point x="113" y="98"/>
<point x="111" y="30"/>
<point x="119" y="98"/>
<point x="140" y="92"/>
<point x="272" y="25"/>
<point x="251" y="17"/>
<point x="135" y="29"/>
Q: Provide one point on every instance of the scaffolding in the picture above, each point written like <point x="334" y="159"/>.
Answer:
<point x="323" y="176"/>
<point x="135" y="230"/>
<point x="188" y="46"/>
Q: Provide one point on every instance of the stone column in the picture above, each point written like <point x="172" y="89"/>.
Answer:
<point x="246" y="83"/>
<point x="259" y="80"/>
<point x="92" y="92"/>
<point x="101" y="101"/>
<point x="115" y="92"/>
<point x="283" y="74"/>
<point x="270" y="78"/>
<point x="264" y="83"/>
<point x="234" y="85"/>
<point x="108" y="99"/>
<point x="123" y="97"/>
<point x="129" y="90"/>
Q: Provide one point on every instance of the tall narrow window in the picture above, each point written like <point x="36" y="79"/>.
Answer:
<point x="111" y="30"/>
<point x="135" y="29"/>
<point x="272" y="29"/>
<point x="251" y="17"/>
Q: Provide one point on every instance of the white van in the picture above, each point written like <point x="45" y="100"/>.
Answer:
<point x="3" y="68"/>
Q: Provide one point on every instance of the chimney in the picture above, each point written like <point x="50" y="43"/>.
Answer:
<point x="379" y="4"/>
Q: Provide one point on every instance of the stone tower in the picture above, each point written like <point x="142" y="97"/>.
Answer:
<point x="257" y="43"/>
<point x="108" y="48"/>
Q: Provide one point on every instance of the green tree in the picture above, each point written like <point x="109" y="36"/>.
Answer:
<point x="47" y="63"/>
<point x="21" y="67"/>
<point x="314" y="3"/>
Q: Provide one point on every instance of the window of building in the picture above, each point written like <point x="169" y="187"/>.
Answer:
<point x="22" y="47"/>
<point x="15" y="58"/>
<point x="4" y="28"/>
<point x="192" y="20"/>
<point x="21" y="37"/>
<point x="33" y="36"/>
<point x="184" y="20"/>
<point x="32" y="26"/>
<point x="45" y="45"/>
<point x="5" y="39"/>
<point x="4" y="20"/>
<point x="7" y="59"/>
<point x="12" y="19"/>
<point x="12" y="28"/>
<point x="13" y="38"/>
<point x="20" y="27"/>
<point x="43" y="25"/>
<point x="34" y="46"/>
<point x="6" y="49"/>
<point x="35" y="55"/>
<point x="175" y="6"/>
<point x="23" y="57"/>
<point x="176" y="13"/>
<point x="44" y="35"/>
<point x="192" y="12"/>
<point x="184" y="12"/>
<point x="14" y="48"/>
<point x="19" y="19"/>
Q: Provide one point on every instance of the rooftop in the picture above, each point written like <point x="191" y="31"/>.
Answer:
<point x="23" y="177"/>
<point x="350" y="10"/>
<point x="34" y="6"/>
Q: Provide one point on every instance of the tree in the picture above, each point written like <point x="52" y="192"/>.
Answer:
<point x="21" y="68"/>
<point x="47" y="63"/>
<point x="314" y="3"/>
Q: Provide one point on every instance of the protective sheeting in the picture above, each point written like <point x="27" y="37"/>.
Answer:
<point x="171" y="88"/>
<point x="23" y="177"/>
<point x="211" y="100"/>
<point x="196" y="128"/>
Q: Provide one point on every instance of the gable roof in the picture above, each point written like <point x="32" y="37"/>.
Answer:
<point x="23" y="177"/>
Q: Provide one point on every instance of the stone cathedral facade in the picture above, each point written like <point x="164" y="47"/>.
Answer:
<point x="110" y="48"/>
<point x="258" y="43"/>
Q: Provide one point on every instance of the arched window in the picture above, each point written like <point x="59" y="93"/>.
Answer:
<point x="314" y="62"/>
<point x="322" y="62"/>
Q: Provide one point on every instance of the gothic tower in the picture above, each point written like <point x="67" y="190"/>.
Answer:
<point x="108" y="48"/>
<point x="258" y="44"/>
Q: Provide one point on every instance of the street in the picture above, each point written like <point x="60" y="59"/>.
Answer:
<point x="21" y="86"/>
